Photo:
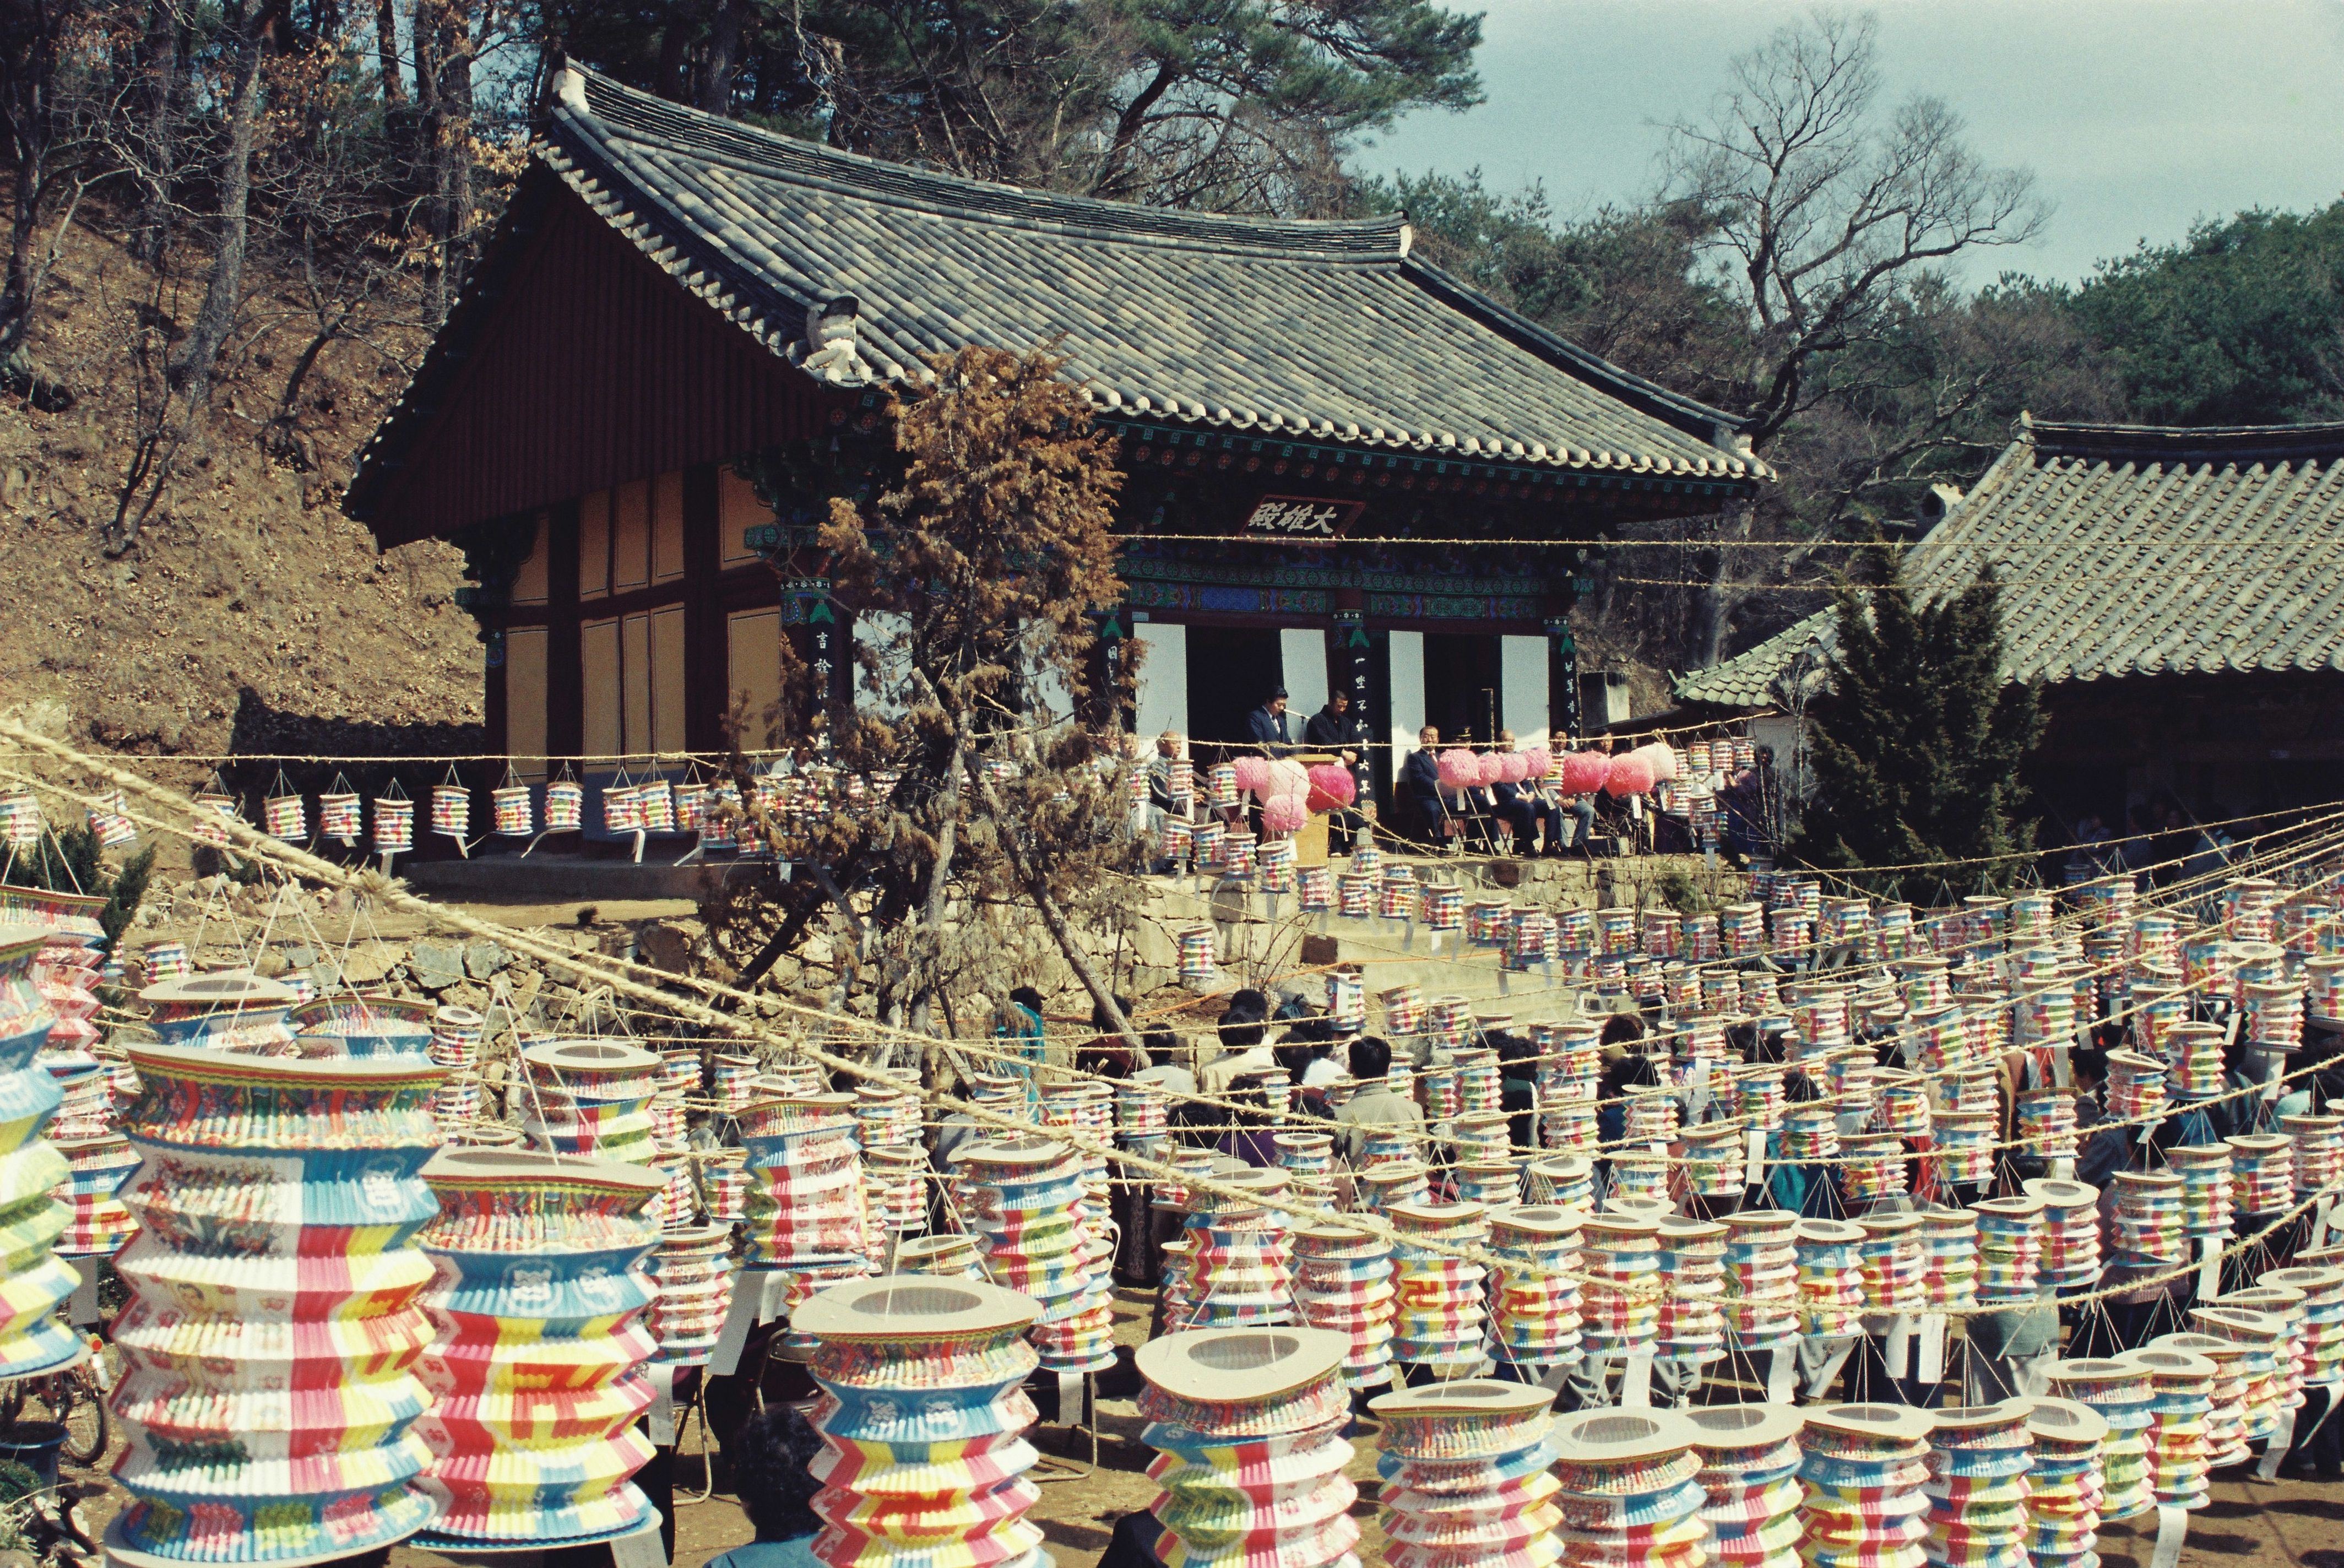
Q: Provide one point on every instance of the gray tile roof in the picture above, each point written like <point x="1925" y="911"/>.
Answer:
<point x="1749" y="680"/>
<point x="1324" y="330"/>
<point x="2133" y="549"/>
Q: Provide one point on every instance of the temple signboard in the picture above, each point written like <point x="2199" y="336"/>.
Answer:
<point x="1301" y="518"/>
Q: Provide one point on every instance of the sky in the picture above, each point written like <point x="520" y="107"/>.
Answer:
<point x="2138" y="117"/>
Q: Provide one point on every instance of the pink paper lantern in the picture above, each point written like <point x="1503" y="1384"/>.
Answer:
<point x="1662" y="758"/>
<point x="1284" y="814"/>
<point x="1331" y="788"/>
<point x="1253" y="776"/>
<point x="1288" y="777"/>
<point x="1537" y="761"/>
<point x="1461" y="769"/>
<point x="1583" y="773"/>
<point x="1513" y="767"/>
<point x="1630" y="775"/>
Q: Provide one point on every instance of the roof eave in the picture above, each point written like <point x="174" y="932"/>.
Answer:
<point x="1687" y="414"/>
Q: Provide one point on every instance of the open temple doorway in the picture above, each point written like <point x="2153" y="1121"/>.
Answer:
<point x="1461" y="687"/>
<point x="1230" y="670"/>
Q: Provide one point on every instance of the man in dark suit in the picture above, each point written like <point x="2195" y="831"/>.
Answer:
<point x="1418" y="793"/>
<point x="1335" y="728"/>
<point x="1527" y="807"/>
<point x="1268" y="727"/>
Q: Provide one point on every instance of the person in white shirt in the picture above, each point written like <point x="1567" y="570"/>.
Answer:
<point x="1244" y="1051"/>
<point x="1167" y="1057"/>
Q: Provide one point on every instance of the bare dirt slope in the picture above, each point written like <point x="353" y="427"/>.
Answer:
<point x="251" y="603"/>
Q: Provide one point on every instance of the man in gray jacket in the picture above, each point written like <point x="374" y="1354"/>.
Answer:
<point x="1375" y="1103"/>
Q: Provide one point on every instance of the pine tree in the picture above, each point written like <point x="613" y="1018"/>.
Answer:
<point x="1916" y="746"/>
<point x="71" y="860"/>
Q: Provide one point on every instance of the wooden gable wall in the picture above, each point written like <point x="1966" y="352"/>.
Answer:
<point x="589" y="367"/>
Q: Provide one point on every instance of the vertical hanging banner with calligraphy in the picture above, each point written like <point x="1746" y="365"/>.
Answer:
<point x="825" y="640"/>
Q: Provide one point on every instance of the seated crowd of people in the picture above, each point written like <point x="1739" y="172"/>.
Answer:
<point x="1427" y="812"/>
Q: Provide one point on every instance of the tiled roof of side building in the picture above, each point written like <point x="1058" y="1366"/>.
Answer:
<point x="1300" y="329"/>
<point x="2130" y="549"/>
<point x="1748" y="679"/>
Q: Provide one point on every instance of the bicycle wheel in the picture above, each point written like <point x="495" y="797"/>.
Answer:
<point x="81" y="1411"/>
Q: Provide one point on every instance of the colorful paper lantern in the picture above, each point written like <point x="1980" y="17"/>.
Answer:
<point x="2010" y="1248"/>
<point x="1865" y="1467"/>
<point x="2181" y="1386"/>
<point x="284" y="818"/>
<point x="233" y="1011"/>
<point x="512" y="807"/>
<point x="97" y="1225"/>
<point x="1630" y="1492"/>
<point x="805" y="1204"/>
<point x="2064" y="1485"/>
<point x="1620" y="1294"/>
<point x="1978" y="1459"/>
<point x="2323" y="1316"/>
<point x="353" y="1026"/>
<point x="1241" y="1267"/>
<point x="2071" y="1233"/>
<point x="1831" y="1276"/>
<point x="1692" y="1326"/>
<point x="923" y="1422"/>
<point x="1893" y="1263"/>
<point x="2226" y="1395"/>
<point x="2118" y="1390"/>
<point x="1251" y="1467"/>
<point x="2262" y="1172"/>
<point x="1762" y="1278"/>
<point x="1440" y="1305"/>
<point x="590" y="1097"/>
<point x="2206" y="1207"/>
<point x="1534" y="1303"/>
<point x="1342" y="1283"/>
<point x="1464" y="1473"/>
<point x="1750" y="1461"/>
<point x="394" y="824"/>
<point x="278" y="1200"/>
<point x="2265" y="1361"/>
<point x="2148" y="1227"/>
<point x="451" y="810"/>
<point x="534" y="1374"/>
<point x="33" y="1280"/>
<point x="1025" y="1198"/>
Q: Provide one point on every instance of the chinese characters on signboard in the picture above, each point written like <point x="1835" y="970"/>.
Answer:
<point x="1303" y="519"/>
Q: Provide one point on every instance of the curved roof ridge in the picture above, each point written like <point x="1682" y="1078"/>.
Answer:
<point x="627" y="111"/>
<point x="2230" y="442"/>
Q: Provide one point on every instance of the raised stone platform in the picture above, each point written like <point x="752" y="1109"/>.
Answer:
<point x="1261" y="940"/>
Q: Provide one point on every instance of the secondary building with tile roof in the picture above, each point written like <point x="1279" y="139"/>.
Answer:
<point x="2178" y="595"/>
<point x="681" y="339"/>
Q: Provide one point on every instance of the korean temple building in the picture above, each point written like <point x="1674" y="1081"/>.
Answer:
<point x="676" y="348"/>
<point x="2171" y="593"/>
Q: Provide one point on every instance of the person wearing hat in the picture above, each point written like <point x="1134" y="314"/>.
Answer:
<point x="1268" y="726"/>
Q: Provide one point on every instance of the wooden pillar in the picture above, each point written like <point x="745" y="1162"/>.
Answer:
<point x="496" y="708"/>
<point x="706" y="678"/>
<point x="1562" y="685"/>
<point x="1352" y="671"/>
<point x="565" y="674"/>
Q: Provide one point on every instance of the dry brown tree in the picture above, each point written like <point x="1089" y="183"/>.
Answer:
<point x="976" y="787"/>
